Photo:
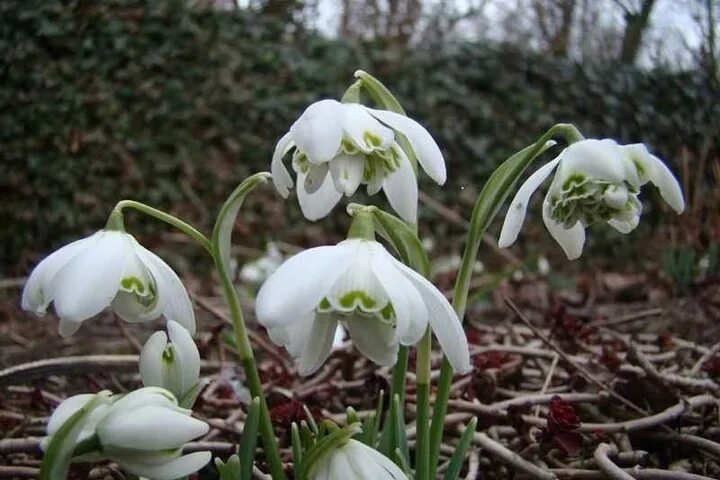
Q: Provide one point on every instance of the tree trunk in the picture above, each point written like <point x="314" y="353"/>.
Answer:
<point x="635" y="25"/>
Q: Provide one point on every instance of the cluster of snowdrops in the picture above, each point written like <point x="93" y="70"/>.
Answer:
<point x="379" y="292"/>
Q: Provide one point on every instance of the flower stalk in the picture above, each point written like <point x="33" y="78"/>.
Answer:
<point x="422" y="455"/>
<point x="484" y="212"/>
<point x="186" y="228"/>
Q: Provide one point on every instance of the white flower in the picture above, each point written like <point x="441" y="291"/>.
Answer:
<point x="596" y="181"/>
<point x="356" y="461"/>
<point x="259" y="270"/>
<point x="174" y="366"/>
<point x="381" y="302"/>
<point x="143" y="431"/>
<point x="107" y="269"/>
<point x="339" y="146"/>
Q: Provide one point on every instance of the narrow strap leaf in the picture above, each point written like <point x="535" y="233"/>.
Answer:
<point x="222" y="232"/>
<point x="230" y="470"/>
<point x="248" y="442"/>
<point x="58" y="456"/>
<point x="458" y="456"/>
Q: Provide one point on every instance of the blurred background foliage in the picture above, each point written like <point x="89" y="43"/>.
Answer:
<point x="173" y="103"/>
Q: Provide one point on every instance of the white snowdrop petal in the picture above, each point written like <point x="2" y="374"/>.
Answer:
<point x="388" y="466"/>
<point x="172" y="294"/>
<point x="443" y="321"/>
<point x="152" y="371"/>
<point x="570" y="239"/>
<point x="658" y="174"/>
<point x="319" y="131"/>
<point x="401" y="189"/>
<point x="347" y="172"/>
<point x="298" y="285"/>
<point x="364" y="130"/>
<point x="318" y="204"/>
<point x="88" y="283"/>
<point x="411" y="316"/>
<point x="373" y="338"/>
<point x="318" y="345"/>
<point x="518" y="207"/>
<point x="597" y="159"/>
<point x="625" y="226"/>
<point x="427" y="151"/>
<point x="67" y="409"/>
<point x="151" y="427"/>
<point x="280" y="176"/>
<point x="35" y="296"/>
<point x="187" y="357"/>
<point x="170" y="470"/>
<point x="314" y="177"/>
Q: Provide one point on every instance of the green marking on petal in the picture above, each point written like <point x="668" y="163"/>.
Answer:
<point x="324" y="305"/>
<point x="372" y="139"/>
<point x="388" y="312"/>
<point x="357" y="298"/>
<point x="132" y="285"/>
<point x="168" y="354"/>
<point x="348" y="147"/>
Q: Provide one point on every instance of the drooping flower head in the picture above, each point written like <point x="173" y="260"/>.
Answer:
<point x="107" y="269"/>
<point x="143" y="431"/>
<point x="339" y="146"/>
<point x="381" y="302"/>
<point x="174" y="365"/>
<point x="597" y="181"/>
<point x="356" y="461"/>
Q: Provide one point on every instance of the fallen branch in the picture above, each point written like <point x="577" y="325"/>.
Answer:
<point x="602" y="459"/>
<point x="511" y="458"/>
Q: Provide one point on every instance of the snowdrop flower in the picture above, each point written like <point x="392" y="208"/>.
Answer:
<point x="596" y="181"/>
<point x="107" y="269"/>
<point x="67" y="408"/>
<point x="143" y="431"/>
<point x="259" y="270"/>
<point x="381" y="302"/>
<point x="339" y="146"/>
<point x="174" y="366"/>
<point x="356" y="461"/>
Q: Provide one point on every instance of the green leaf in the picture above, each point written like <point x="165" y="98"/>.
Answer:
<point x="458" y="456"/>
<point x="401" y="237"/>
<point x="351" y="416"/>
<point x="379" y="92"/>
<point x="325" y="446"/>
<point x="222" y="232"/>
<point x="402" y="461"/>
<point x="188" y="400"/>
<point x="297" y="449"/>
<point x="231" y="470"/>
<point x="246" y="450"/>
<point x="394" y="434"/>
<point x="58" y="456"/>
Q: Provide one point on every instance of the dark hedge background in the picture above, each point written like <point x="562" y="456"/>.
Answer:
<point x="174" y="106"/>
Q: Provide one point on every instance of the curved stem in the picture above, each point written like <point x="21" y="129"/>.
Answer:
<point x="247" y="359"/>
<point x="481" y="219"/>
<point x="186" y="228"/>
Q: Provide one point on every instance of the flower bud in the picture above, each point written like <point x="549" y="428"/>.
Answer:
<point x="174" y="365"/>
<point x="356" y="461"/>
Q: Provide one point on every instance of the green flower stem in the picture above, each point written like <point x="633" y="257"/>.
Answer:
<point x="481" y="219"/>
<point x="422" y="453"/>
<point x="397" y="385"/>
<point x="116" y="219"/>
<point x="252" y="378"/>
<point x="362" y="226"/>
